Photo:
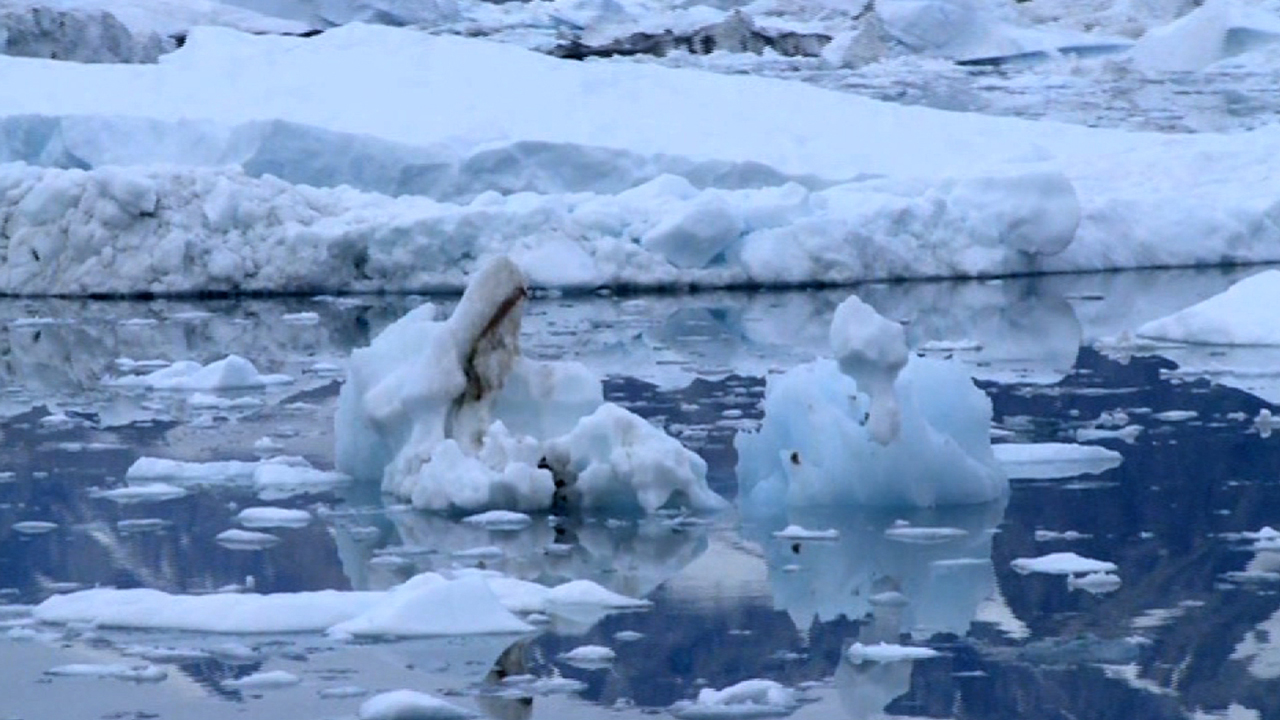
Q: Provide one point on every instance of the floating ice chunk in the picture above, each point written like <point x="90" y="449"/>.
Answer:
<point x="590" y="656"/>
<point x="813" y="448"/>
<point x="142" y="493"/>
<point x="237" y="539"/>
<point x="1175" y="415"/>
<point x="613" y="458"/>
<point x="1096" y="583"/>
<point x="265" y="517"/>
<point x="429" y="604"/>
<point x="1051" y="535"/>
<point x="231" y="372"/>
<point x="279" y="478"/>
<point x="301" y="318"/>
<point x="499" y="520"/>
<point x="1062" y="563"/>
<point x="34" y="527"/>
<point x="872" y="350"/>
<point x="749" y="698"/>
<point x="795" y="532"/>
<point x="1237" y="316"/>
<point x="588" y="593"/>
<point x="626" y="636"/>
<point x="151" y="469"/>
<point x="217" y="613"/>
<point x="136" y="673"/>
<point x="264" y="680"/>
<point x="924" y="535"/>
<point x="887" y="652"/>
<point x="138" y="525"/>
<point x="341" y="692"/>
<point x="950" y="346"/>
<point x="1054" y="460"/>
<point x="1128" y="434"/>
<point x="426" y="406"/>
<point x="410" y="705"/>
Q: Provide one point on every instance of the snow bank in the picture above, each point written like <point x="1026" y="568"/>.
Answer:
<point x="936" y="195"/>
<point x="423" y="410"/>
<point x="1054" y="460"/>
<point x="1241" y="315"/>
<point x="915" y="438"/>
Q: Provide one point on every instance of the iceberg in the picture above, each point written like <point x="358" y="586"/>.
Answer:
<point x="448" y="415"/>
<point x="874" y="427"/>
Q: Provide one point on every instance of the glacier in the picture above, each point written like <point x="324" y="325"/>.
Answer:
<point x="184" y="177"/>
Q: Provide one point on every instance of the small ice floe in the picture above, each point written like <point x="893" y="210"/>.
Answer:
<point x="301" y="318"/>
<point x="1127" y="434"/>
<point x="264" y="680"/>
<point x="589" y="656"/>
<point x="267" y="517"/>
<point x="139" y="322"/>
<point x="888" y="652"/>
<point x="142" y="493"/>
<point x="1096" y="583"/>
<point x="8" y="476"/>
<point x="231" y="372"/>
<point x="267" y="446"/>
<point x="749" y="698"/>
<point x="34" y="527"/>
<point x="341" y="692"/>
<point x="410" y="705"/>
<point x="1267" y="538"/>
<point x="1175" y="415"/>
<point x="1251" y="577"/>
<point x="795" y="532"/>
<point x="626" y="636"/>
<point x="236" y="539"/>
<point x="1051" y="535"/>
<point x="284" y="477"/>
<point x="191" y="316"/>
<point x="324" y="368"/>
<point x="950" y="346"/>
<point x="1042" y="461"/>
<point x="1062" y="563"/>
<point x="484" y="552"/>
<point x="1231" y="317"/>
<point x="134" y="673"/>
<point x="205" y="401"/>
<point x="499" y="520"/>
<point x="904" y="532"/>
<point x="141" y="525"/>
<point x="1263" y="423"/>
<point x="158" y="654"/>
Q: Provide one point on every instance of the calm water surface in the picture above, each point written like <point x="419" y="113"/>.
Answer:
<point x="1193" y="630"/>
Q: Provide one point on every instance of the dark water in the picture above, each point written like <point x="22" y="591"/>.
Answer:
<point x="1181" y="635"/>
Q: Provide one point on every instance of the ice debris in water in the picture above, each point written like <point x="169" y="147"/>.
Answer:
<point x="402" y="704"/>
<point x="450" y="416"/>
<point x="886" y="652"/>
<point x="231" y="372"/>
<point x="749" y="698"/>
<point x="873" y="427"/>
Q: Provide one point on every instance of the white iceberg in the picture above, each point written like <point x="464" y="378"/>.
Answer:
<point x="230" y="373"/>
<point x="429" y="604"/>
<point x="876" y="428"/>
<point x="1062" y="563"/>
<point x="426" y="408"/>
<point x="403" y="704"/>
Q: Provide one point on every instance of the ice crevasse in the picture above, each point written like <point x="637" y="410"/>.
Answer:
<point x="875" y="426"/>
<point x="447" y="414"/>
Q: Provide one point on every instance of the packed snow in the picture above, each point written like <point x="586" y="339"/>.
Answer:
<point x="426" y="408"/>
<point x="1038" y="461"/>
<point x="874" y="428"/>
